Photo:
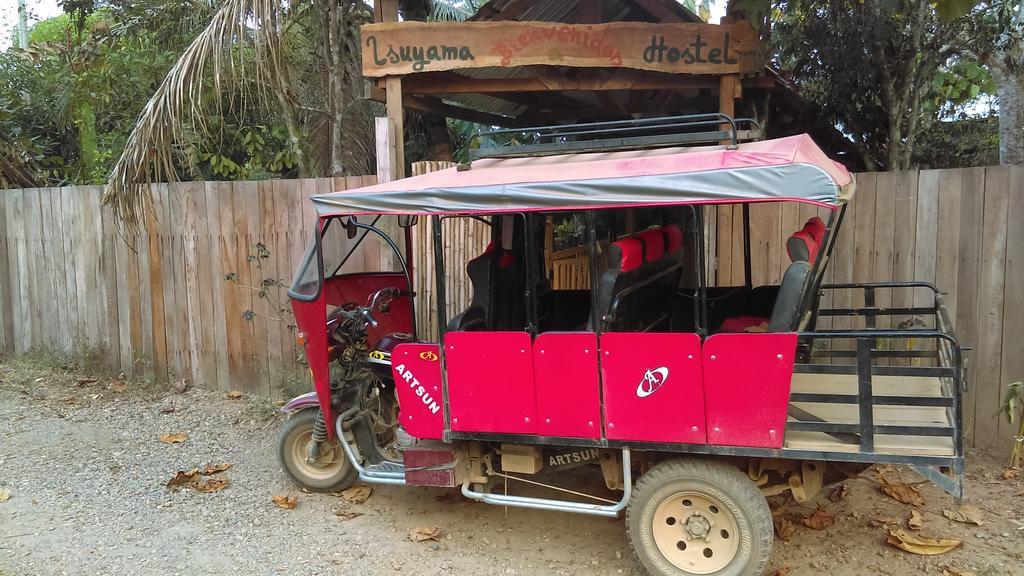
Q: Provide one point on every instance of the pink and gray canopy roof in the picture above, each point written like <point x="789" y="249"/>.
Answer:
<point x="786" y="169"/>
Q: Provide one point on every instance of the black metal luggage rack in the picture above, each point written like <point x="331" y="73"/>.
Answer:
<point x="932" y="352"/>
<point x="688" y="130"/>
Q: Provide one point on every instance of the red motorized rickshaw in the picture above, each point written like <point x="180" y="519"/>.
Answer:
<point x="692" y="400"/>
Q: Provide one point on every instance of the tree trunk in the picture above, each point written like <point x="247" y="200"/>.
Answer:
<point x="1010" y="90"/>
<point x="335" y="78"/>
<point x="439" y="139"/>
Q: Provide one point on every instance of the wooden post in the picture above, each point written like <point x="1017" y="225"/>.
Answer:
<point x="387" y="11"/>
<point x="384" y="129"/>
<point x="727" y="98"/>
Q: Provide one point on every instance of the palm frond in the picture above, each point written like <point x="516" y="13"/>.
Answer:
<point x="240" y="41"/>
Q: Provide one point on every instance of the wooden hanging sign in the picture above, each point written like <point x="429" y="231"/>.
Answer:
<point x="398" y="48"/>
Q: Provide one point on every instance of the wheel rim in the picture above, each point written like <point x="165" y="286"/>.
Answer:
<point x="328" y="465"/>
<point x="695" y="532"/>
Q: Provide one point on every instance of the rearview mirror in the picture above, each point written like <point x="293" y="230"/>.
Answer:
<point x="407" y="220"/>
<point x="350" y="227"/>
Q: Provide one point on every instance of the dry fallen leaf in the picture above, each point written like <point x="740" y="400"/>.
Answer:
<point x="168" y="438"/>
<point x="916" y="521"/>
<point x="118" y="386"/>
<point x="286" y="502"/>
<point x="212" y="484"/>
<point x="357" y="494"/>
<point x="85" y="382"/>
<point x="421" y="534"/>
<point x="346" y="514"/>
<point x="964" y="513"/>
<point x="950" y="571"/>
<point x="903" y="493"/>
<point x="180" y="385"/>
<point x="279" y="403"/>
<point x="1010" y="473"/>
<point x="838" y="493"/>
<point x="183" y="478"/>
<point x="819" y="520"/>
<point x="214" y="468"/>
<point x="919" y="544"/>
<point x="784" y="528"/>
<point x="233" y="395"/>
<point x="167" y="409"/>
<point x="5" y="495"/>
<point x="782" y="571"/>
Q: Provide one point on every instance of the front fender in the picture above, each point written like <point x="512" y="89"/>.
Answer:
<point x="307" y="400"/>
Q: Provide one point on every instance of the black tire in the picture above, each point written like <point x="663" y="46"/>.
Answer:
<point x="688" y="480"/>
<point x="332" y="473"/>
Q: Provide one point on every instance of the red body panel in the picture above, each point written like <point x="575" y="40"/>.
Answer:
<point x="746" y="387"/>
<point x="653" y="387"/>
<point x="311" y="321"/>
<point x="490" y="382"/>
<point x="417" y="372"/>
<point x="358" y="288"/>
<point x="565" y="375"/>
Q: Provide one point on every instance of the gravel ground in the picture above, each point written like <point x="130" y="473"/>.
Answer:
<point x="86" y="469"/>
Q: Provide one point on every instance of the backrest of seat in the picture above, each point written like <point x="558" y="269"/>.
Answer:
<point x="654" y="244"/>
<point x="479" y="271"/>
<point x="786" y="312"/>
<point x="635" y="292"/>
<point x="673" y="239"/>
<point x="804" y="244"/>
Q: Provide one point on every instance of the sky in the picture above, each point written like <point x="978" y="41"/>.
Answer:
<point x="37" y="10"/>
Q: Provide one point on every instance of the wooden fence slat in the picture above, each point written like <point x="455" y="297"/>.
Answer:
<point x="48" y="273"/>
<point x="55" y="228"/>
<point x="19" y="272"/>
<point x="273" y="330"/>
<point x="927" y="232"/>
<point x="108" y="263"/>
<point x="884" y="237"/>
<point x="990" y="306"/>
<point x="904" y="239"/>
<point x="36" y="272"/>
<point x="863" y="237"/>
<point x="947" y="253"/>
<point x="6" y="296"/>
<point x="966" y="288"/>
<point x="1013" y="303"/>
<point x="205" y="325"/>
<point x="69" y="241"/>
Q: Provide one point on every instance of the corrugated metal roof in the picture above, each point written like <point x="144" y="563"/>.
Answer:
<point x="485" y="103"/>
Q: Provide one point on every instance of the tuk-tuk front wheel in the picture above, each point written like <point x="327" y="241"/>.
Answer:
<point x="330" y="471"/>
<point x="690" y="516"/>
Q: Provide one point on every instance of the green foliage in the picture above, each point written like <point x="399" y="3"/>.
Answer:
<point x="69" y="102"/>
<point x="1013" y="409"/>
<point x="884" y="71"/>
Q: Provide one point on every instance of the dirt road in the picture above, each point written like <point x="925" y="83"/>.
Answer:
<point x="85" y="469"/>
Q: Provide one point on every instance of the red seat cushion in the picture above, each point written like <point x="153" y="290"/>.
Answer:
<point x="673" y="238"/>
<point x="811" y="237"/>
<point x="741" y="323"/>
<point x="631" y="250"/>
<point x="654" y="243"/>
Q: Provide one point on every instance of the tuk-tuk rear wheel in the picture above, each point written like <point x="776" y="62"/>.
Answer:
<point x="330" y="472"/>
<point x="692" y="516"/>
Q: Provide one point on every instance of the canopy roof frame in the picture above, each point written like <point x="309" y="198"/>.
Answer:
<point x="785" y="169"/>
